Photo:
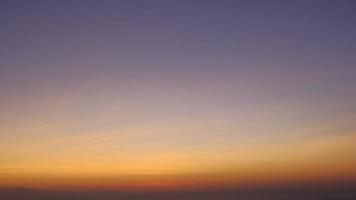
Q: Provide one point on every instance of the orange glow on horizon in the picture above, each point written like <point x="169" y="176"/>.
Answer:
<point x="302" y="162"/>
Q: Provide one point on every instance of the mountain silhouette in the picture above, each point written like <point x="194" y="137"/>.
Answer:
<point x="296" y="193"/>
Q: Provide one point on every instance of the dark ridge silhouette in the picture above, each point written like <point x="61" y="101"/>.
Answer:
<point x="344" y="192"/>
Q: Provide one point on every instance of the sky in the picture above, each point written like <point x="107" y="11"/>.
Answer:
<point x="176" y="94"/>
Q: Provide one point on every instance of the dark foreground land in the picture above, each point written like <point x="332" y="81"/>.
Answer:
<point x="314" y="193"/>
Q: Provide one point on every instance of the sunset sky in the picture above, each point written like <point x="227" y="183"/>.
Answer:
<point x="176" y="94"/>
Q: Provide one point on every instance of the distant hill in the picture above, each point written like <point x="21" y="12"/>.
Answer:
<point x="316" y="193"/>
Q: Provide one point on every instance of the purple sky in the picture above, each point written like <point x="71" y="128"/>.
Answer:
<point x="195" y="76"/>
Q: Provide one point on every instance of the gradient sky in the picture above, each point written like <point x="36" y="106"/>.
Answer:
<point x="112" y="94"/>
